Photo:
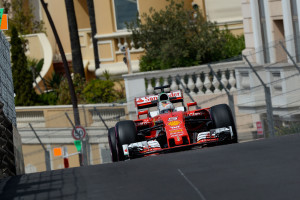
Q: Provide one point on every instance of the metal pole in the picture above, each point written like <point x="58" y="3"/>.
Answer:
<point x="65" y="62"/>
<point x="230" y="96"/>
<point x="268" y="101"/>
<point x="101" y="118"/>
<point x="83" y="153"/>
<point x="88" y="150"/>
<point x="91" y="9"/>
<point x="77" y="63"/>
<point x="290" y="56"/>
<point x="85" y="121"/>
<point x="34" y="80"/>
<point x="87" y="140"/>
<point x="47" y="154"/>
<point x="270" y="111"/>
<point x="43" y="82"/>
<point x="47" y="161"/>
<point x="231" y="105"/>
<point x="186" y="91"/>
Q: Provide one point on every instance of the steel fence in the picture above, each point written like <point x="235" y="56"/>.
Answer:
<point x="6" y="81"/>
<point x="7" y="112"/>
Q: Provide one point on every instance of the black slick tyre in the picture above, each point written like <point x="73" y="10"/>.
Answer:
<point x="221" y="116"/>
<point x="113" y="144"/>
<point x="126" y="133"/>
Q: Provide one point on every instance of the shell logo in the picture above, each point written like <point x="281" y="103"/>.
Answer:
<point x="174" y="123"/>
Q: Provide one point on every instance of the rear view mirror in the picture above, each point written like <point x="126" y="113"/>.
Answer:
<point x="144" y="112"/>
<point x="191" y="104"/>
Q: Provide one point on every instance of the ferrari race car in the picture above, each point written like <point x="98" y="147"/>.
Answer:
<point x="170" y="128"/>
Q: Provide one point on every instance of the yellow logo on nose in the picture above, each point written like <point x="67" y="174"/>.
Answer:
<point x="174" y="123"/>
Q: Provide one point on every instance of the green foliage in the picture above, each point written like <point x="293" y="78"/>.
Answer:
<point x="99" y="91"/>
<point x="291" y="128"/>
<point x="53" y="84"/>
<point x="120" y="92"/>
<point x="54" y="81"/>
<point x="22" y="77"/>
<point x="106" y="75"/>
<point x="22" y="18"/>
<point x="95" y="91"/>
<point x="234" y="44"/>
<point x="176" y="37"/>
<point x="35" y="66"/>
<point x="63" y="93"/>
<point x="104" y="91"/>
<point x="49" y="98"/>
<point x="63" y="90"/>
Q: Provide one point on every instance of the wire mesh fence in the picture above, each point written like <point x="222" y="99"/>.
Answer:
<point x="8" y="149"/>
<point x="6" y="81"/>
<point x="282" y="76"/>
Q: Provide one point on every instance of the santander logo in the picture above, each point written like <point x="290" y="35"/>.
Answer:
<point x="174" y="123"/>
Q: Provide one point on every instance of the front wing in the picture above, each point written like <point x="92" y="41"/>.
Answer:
<point x="152" y="147"/>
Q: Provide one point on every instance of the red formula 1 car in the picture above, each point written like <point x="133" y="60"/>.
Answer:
<point x="170" y="128"/>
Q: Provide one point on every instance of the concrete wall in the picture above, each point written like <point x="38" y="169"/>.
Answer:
<point x="54" y="130"/>
<point x="34" y="157"/>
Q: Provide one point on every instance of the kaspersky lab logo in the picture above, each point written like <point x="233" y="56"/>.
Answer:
<point x="3" y="20"/>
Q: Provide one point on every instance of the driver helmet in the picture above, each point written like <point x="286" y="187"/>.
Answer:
<point x="164" y="104"/>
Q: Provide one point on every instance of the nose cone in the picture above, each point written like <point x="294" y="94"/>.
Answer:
<point x="178" y="140"/>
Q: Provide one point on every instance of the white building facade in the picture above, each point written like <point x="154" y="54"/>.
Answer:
<point x="267" y="25"/>
<point x="266" y="22"/>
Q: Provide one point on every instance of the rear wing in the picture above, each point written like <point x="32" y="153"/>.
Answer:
<point x="151" y="100"/>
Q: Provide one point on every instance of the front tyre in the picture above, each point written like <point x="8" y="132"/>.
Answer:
<point x="221" y="116"/>
<point x="113" y="144"/>
<point x="126" y="133"/>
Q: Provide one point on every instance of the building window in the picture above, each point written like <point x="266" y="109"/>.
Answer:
<point x="262" y="16"/>
<point x="277" y="86"/>
<point x="296" y="28"/>
<point x="125" y="11"/>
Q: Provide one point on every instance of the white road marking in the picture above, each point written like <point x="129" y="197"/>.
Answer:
<point x="192" y="185"/>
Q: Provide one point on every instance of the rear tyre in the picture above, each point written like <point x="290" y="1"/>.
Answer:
<point x="221" y="116"/>
<point x="113" y="144"/>
<point x="126" y="133"/>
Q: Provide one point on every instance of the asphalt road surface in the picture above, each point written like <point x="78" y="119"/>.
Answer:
<point x="263" y="169"/>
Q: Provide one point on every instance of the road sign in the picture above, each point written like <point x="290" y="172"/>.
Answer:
<point x="260" y="130"/>
<point x="79" y="134"/>
<point x="78" y="145"/>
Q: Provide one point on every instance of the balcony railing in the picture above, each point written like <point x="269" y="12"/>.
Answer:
<point x="112" y="56"/>
<point x="122" y="39"/>
<point x="197" y="82"/>
<point x="198" y="79"/>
